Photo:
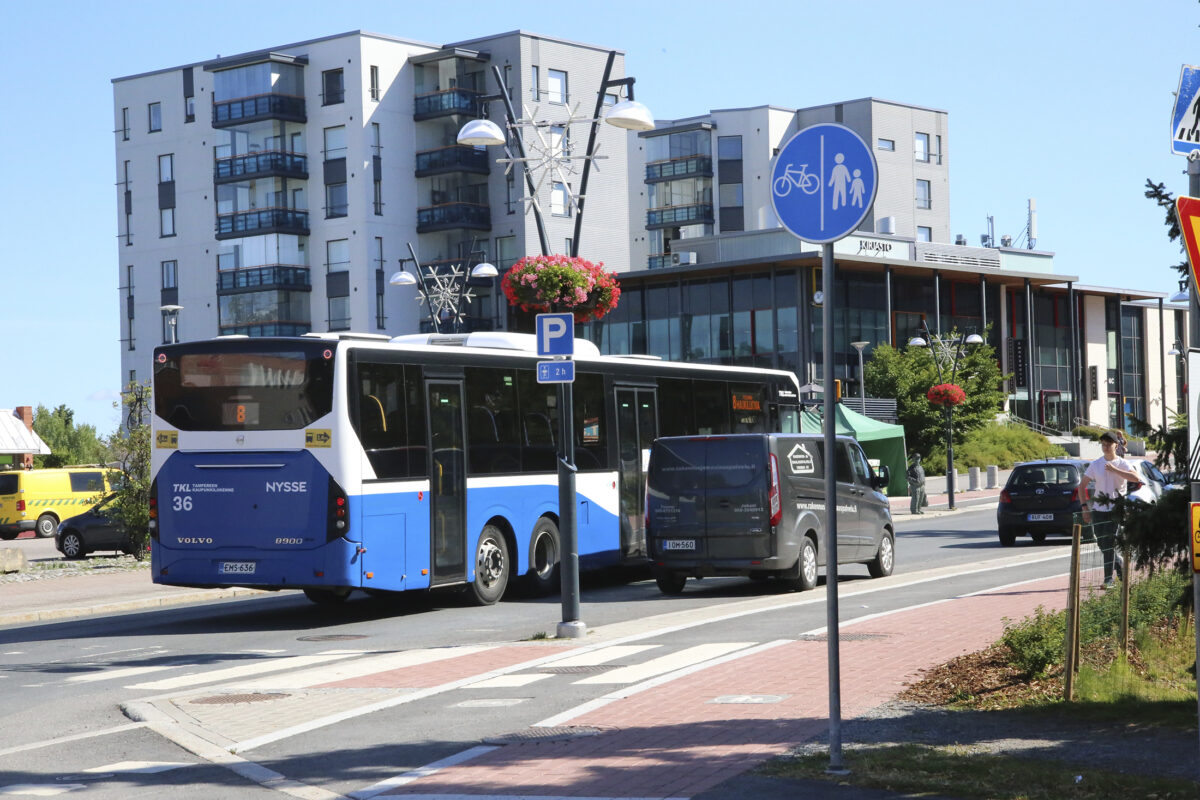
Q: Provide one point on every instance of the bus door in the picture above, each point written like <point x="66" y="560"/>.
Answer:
<point x="637" y="428"/>
<point x="447" y="481"/>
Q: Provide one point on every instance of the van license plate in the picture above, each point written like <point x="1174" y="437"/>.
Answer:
<point x="1041" y="517"/>
<point x="679" y="544"/>
<point x="236" y="568"/>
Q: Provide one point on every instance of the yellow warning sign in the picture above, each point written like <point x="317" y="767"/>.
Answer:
<point x="318" y="437"/>
<point x="167" y="440"/>
<point x="1195" y="537"/>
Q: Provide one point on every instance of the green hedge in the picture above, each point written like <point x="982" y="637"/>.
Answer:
<point x="993" y="444"/>
<point x="1094" y="433"/>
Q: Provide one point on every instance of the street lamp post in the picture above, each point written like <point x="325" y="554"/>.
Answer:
<point x="953" y="350"/>
<point x="553" y="158"/>
<point x="443" y="293"/>
<point x="862" y="378"/>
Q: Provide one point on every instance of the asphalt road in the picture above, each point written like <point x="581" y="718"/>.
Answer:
<point x="64" y="683"/>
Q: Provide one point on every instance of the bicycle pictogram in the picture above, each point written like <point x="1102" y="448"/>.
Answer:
<point x="808" y="183"/>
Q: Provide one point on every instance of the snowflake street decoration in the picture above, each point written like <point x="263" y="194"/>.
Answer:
<point x="445" y="291"/>
<point x="548" y="153"/>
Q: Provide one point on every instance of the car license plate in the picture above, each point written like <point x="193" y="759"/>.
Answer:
<point x="237" y="568"/>
<point x="679" y="544"/>
<point x="1041" y="517"/>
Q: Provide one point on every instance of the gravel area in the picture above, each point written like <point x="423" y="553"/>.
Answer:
<point x="1025" y="734"/>
<point x="49" y="569"/>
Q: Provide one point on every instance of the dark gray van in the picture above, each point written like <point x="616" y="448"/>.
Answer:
<point x="754" y="504"/>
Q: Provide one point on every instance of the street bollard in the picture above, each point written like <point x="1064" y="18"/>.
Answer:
<point x="972" y="479"/>
<point x="993" y="476"/>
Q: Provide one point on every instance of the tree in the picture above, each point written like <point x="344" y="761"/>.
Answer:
<point x="69" y="444"/>
<point x="907" y="374"/>
<point x="131" y="449"/>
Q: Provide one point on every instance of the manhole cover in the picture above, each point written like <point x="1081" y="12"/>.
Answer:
<point x="575" y="670"/>
<point x="332" y="637"/>
<point x="748" y="699"/>
<point x="559" y="734"/>
<point x="844" y="637"/>
<point x="230" y="699"/>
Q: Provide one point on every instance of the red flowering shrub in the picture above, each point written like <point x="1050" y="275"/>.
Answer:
<point x="561" y="283"/>
<point x="946" y="394"/>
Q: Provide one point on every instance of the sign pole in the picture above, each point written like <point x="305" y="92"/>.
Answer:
<point x="831" y="524"/>
<point x="1193" y="171"/>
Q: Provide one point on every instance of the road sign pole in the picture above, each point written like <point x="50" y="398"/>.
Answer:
<point x="831" y="524"/>
<point x="571" y="626"/>
<point x="1193" y="171"/>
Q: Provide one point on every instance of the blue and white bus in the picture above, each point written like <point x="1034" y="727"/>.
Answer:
<point x="334" y="462"/>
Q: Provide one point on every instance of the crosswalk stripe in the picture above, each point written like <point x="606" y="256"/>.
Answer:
<point x="509" y="681"/>
<point x="604" y="655"/>
<point x="114" y="674"/>
<point x="667" y="663"/>
<point x="383" y="662"/>
<point x="140" y="767"/>
<point x="242" y="671"/>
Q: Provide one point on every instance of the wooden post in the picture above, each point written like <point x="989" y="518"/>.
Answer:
<point x="1070" y="662"/>
<point x="1125" y="602"/>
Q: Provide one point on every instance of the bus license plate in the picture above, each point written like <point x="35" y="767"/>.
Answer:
<point x="237" y="568"/>
<point x="1041" y="517"/>
<point x="679" y="544"/>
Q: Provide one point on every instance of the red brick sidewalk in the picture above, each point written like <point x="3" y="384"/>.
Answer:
<point x="674" y="741"/>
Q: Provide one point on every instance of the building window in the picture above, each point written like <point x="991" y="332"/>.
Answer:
<point x="335" y="142"/>
<point x="125" y="124"/>
<point x="533" y="86"/>
<point x="129" y="302"/>
<point x="923" y="194"/>
<point x="567" y="245"/>
<point x="556" y="86"/>
<point x="924" y="233"/>
<point x="885" y="144"/>
<point x="166" y="222"/>
<point x="376" y="140"/>
<point x="339" y="313"/>
<point x="380" y="318"/>
<point x="374" y="83"/>
<point x="155" y="111"/>
<point x="560" y="141"/>
<point x="335" y="200"/>
<point x="559" y="201"/>
<point x="378" y="197"/>
<point x="166" y="168"/>
<point x="332" y="89"/>
<point x="337" y="255"/>
<point x="169" y="276"/>
<point x="937" y="151"/>
<point x="189" y="109"/>
<point x="921" y="147"/>
<point x="729" y="179"/>
<point x="127" y="198"/>
<point x="510" y="191"/>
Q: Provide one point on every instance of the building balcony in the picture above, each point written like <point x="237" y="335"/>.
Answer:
<point x="262" y="220"/>
<point x="454" y="158"/>
<point x="267" y="329"/>
<point x="689" y="167"/>
<point x="260" y="107"/>
<point x="474" y="216"/>
<point x="272" y="276"/>
<point x="446" y="103"/>
<point x="267" y="164"/>
<point x="695" y="214"/>
<point x="659" y="260"/>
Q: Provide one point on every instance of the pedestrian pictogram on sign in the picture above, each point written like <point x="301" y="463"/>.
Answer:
<point x="1185" y="117"/>
<point x="823" y="183"/>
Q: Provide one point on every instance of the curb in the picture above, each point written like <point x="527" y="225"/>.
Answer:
<point x="53" y="614"/>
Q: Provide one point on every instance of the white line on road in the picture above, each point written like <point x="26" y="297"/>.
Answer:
<point x="242" y="671"/>
<point x="115" y="674"/>
<point x="21" y="748"/>
<point x="671" y="662"/>
<point x="420" y="772"/>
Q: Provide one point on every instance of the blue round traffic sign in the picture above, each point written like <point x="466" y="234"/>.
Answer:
<point x="824" y="183"/>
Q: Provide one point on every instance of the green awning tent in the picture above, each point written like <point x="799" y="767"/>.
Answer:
<point x="879" y="440"/>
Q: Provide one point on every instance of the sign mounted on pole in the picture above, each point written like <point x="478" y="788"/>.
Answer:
<point x="1185" y="117"/>
<point x="823" y="183"/>
<point x="1187" y="211"/>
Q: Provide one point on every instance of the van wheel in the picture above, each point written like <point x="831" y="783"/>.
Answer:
<point x="1007" y="537"/>
<point x="804" y="574"/>
<point x="671" y="583"/>
<point x="45" y="526"/>
<point x="72" y="545"/>
<point x="544" y="558"/>
<point x="491" y="566"/>
<point x="327" y="597"/>
<point x="884" y="560"/>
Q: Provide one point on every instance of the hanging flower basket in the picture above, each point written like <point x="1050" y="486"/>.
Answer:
<point x="561" y="283"/>
<point x="946" y="394"/>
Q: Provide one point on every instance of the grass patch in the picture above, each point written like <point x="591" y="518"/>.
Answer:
<point x="969" y="773"/>
<point x="538" y="636"/>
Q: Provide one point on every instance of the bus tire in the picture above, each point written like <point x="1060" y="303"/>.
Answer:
<point x="327" y="597"/>
<point x="544" y="557"/>
<point x="885" y="558"/>
<point x="46" y="524"/>
<point x="804" y="574"/>
<point x="491" y="566"/>
<point x="669" y="582"/>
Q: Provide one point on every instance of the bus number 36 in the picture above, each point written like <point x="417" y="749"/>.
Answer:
<point x="182" y="503"/>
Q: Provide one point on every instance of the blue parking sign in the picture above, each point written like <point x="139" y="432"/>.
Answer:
<point x="555" y="334"/>
<point x="823" y="183"/>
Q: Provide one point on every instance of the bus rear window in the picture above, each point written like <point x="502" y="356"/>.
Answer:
<point x="242" y="388"/>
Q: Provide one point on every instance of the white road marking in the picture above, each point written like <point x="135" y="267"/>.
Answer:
<point x="668" y="663"/>
<point x="115" y="674"/>
<point x="141" y="767"/>
<point x="39" y="789"/>
<point x="241" y="671"/>
<point x="421" y="772"/>
<point x="74" y="738"/>
<point x="604" y="655"/>
<point x="345" y="670"/>
<point x="508" y="681"/>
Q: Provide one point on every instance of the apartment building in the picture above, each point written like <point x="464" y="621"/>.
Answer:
<point x="275" y="192"/>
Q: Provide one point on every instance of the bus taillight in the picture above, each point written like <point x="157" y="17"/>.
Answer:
<point x="152" y="525"/>
<point x="339" y="512"/>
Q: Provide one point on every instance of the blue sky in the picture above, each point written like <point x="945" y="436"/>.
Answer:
<point x="1065" y="102"/>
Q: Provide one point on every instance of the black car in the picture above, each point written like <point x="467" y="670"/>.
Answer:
<point x="92" y="530"/>
<point x="1041" y="499"/>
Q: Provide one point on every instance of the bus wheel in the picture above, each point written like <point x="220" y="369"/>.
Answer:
<point x="804" y="574"/>
<point x="671" y="583"/>
<point x="491" y="566"/>
<point x="544" y="557"/>
<point x="45" y="526"/>
<point x="327" y="597"/>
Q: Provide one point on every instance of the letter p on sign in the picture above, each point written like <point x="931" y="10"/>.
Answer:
<point x="555" y="334"/>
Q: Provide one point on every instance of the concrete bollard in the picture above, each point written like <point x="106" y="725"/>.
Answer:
<point x="993" y="475"/>
<point x="972" y="479"/>
<point x="12" y="559"/>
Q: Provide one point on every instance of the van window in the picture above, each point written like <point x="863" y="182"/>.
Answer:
<point x="858" y="462"/>
<point x="843" y="464"/>
<point x="87" y="482"/>
<point x="736" y="462"/>
<point x="8" y="484"/>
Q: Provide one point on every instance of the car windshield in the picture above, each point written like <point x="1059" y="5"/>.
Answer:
<point x="1044" y="475"/>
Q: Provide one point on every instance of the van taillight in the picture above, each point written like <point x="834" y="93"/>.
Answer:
<point x="20" y="505"/>
<point x="339" y="512"/>
<point x="153" y="523"/>
<point x="774" y="498"/>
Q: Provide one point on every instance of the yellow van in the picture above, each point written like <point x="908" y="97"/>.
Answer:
<point x="38" y="499"/>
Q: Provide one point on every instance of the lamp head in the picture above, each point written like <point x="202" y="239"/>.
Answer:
<point x="480" y="133"/>
<point x="1174" y="351"/>
<point x="171" y="309"/>
<point x="1182" y="296"/>
<point x="859" y="345"/>
<point x="974" y="338"/>
<point x="630" y="115"/>
<point x="403" y="278"/>
<point x="917" y="341"/>
<point x="484" y="270"/>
